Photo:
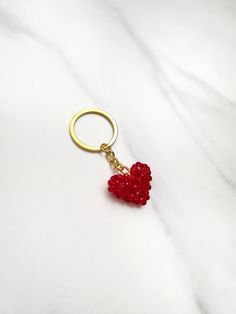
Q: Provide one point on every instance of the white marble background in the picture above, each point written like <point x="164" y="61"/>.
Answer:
<point x="165" y="69"/>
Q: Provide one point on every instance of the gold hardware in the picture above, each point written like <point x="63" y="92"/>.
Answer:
<point x="106" y="148"/>
<point x="113" y="161"/>
<point x="95" y="111"/>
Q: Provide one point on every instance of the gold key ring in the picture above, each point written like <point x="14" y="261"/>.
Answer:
<point x="92" y="111"/>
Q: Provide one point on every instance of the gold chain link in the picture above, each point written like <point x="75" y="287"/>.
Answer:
<point x="113" y="161"/>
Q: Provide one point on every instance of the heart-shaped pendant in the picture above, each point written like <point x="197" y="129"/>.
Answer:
<point x="133" y="186"/>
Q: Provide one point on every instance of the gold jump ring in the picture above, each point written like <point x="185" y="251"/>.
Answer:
<point x="94" y="111"/>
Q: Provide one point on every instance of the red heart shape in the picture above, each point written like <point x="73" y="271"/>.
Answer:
<point x="134" y="186"/>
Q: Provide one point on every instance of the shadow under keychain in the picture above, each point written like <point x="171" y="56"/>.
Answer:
<point x="130" y="184"/>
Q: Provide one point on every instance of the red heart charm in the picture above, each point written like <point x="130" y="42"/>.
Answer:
<point x="134" y="186"/>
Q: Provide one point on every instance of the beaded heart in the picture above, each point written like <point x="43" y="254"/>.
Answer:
<point x="133" y="186"/>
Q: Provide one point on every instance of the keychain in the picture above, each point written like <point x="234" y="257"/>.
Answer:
<point x="131" y="185"/>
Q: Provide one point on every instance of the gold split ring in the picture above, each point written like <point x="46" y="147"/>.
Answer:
<point x="92" y="111"/>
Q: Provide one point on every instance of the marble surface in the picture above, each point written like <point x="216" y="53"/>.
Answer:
<point x="165" y="70"/>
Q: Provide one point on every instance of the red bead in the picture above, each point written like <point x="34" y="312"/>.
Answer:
<point x="133" y="187"/>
